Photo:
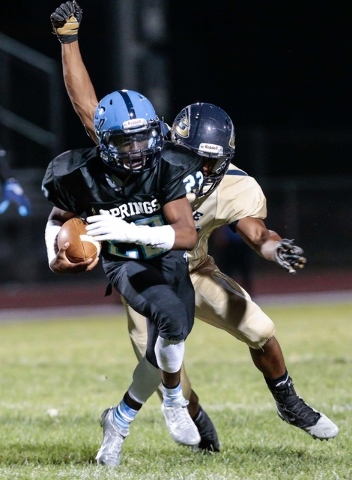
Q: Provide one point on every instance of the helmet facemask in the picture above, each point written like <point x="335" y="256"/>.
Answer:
<point x="214" y="169"/>
<point x="131" y="152"/>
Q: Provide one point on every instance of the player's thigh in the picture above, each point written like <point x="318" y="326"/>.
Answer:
<point x="176" y="269"/>
<point x="151" y="292"/>
<point x="221" y="302"/>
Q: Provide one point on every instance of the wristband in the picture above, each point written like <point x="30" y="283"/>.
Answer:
<point x="51" y="230"/>
<point x="158" y="237"/>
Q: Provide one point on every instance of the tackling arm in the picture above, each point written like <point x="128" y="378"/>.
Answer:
<point x="270" y="245"/>
<point x="255" y="233"/>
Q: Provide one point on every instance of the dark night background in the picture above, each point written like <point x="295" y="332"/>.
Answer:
<point x="272" y="64"/>
<point x="282" y="70"/>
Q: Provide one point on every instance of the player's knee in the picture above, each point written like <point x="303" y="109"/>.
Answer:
<point x="259" y="333"/>
<point x="176" y="325"/>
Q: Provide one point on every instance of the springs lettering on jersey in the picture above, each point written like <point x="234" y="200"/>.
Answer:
<point x="135" y="208"/>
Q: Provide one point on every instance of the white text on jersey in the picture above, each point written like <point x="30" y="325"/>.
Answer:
<point x="135" y="208"/>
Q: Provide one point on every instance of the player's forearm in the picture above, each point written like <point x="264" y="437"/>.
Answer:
<point x="185" y="239"/>
<point x="263" y="241"/>
<point x="78" y="85"/>
<point x="57" y="215"/>
<point x="268" y="247"/>
<point x="178" y="214"/>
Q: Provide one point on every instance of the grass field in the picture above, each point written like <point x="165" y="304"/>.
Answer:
<point x="58" y="376"/>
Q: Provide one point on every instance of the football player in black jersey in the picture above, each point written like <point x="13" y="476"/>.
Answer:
<point x="65" y="20"/>
<point x="132" y="191"/>
<point x="265" y="351"/>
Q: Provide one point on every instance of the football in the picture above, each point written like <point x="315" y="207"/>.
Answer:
<point x="82" y="247"/>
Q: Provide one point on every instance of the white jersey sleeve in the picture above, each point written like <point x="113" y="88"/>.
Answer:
<point x="237" y="196"/>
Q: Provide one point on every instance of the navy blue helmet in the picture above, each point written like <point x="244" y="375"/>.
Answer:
<point x="208" y="131"/>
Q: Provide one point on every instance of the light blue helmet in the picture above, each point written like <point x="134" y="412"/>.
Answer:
<point x="128" y="130"/>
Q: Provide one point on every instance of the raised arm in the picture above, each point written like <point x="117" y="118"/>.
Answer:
<point x="66" y="20"/>
<point x="79" y="86"/>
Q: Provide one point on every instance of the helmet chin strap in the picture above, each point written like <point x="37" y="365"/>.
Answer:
<point x="124" y="163"/>
<point x="211" y="181"/>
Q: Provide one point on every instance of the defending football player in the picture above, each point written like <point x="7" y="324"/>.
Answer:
<point x="132" y="190"/>
<point x="229" y="197"/>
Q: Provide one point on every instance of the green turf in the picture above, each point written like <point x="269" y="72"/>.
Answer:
<point x="78" y="367"/>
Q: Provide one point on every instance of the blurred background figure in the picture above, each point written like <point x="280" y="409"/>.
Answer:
<point x="11" y="190"/>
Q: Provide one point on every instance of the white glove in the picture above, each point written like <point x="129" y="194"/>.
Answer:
<point x="106" y="227"/>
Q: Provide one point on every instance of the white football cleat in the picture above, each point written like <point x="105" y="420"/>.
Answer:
<point x="180" y="424"/>
<point x="109" y="453"/>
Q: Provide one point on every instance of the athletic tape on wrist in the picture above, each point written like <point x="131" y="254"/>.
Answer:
<point x="51" y="230"/>
<point x="158" y="237"/>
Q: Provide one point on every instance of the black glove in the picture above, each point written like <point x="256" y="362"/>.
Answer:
<point x="289" y="256"/>
<point x="66" y="21"/>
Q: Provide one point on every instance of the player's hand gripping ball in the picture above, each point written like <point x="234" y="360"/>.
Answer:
<point x="82" y="247"/>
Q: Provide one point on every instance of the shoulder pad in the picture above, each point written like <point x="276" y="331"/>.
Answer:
<point x="179" y="155"/>
<point x="72" y="160"/>
<point x="234" y="170"/>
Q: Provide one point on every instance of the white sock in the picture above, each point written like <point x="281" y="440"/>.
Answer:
<point x="124" y="415"/>
<point x="173" y="396"/>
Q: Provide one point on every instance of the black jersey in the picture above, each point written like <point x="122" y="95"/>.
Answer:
<point x="78" y="181"/>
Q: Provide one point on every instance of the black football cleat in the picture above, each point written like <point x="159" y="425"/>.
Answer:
<point x="209" y="441"/>
<point x="294" y="410"/>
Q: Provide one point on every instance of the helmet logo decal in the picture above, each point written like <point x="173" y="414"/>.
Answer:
<point x="182" y="127"/>
<point x="134" y="123"/>
<point x="211" y="148"/>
